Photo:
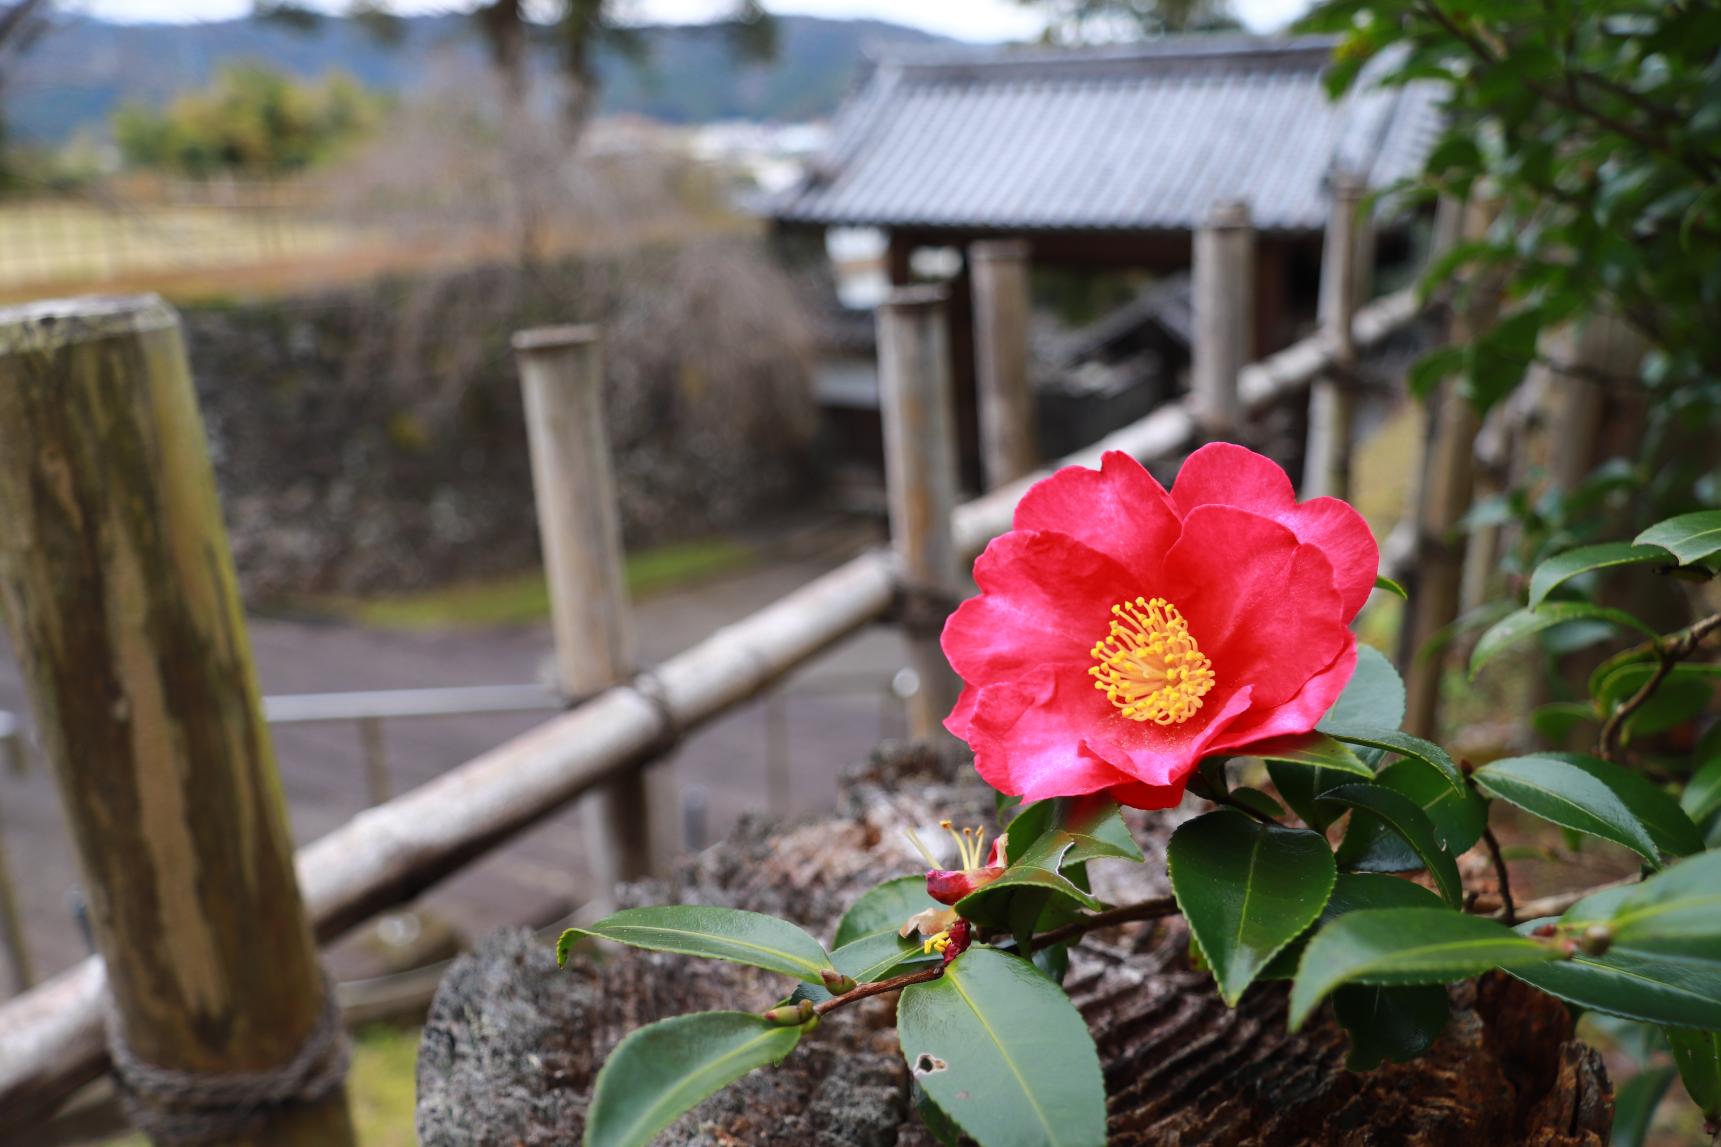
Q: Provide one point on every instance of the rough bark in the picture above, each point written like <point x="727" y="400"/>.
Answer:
<point x="513" y="1044"/>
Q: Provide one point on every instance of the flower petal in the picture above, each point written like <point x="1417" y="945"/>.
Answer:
<point x="1298" y="715"/>
<point x="1225" y="474"/>
<point x="1026" y="737"/>
<point x="1045" y="599"/>
<point x="1261" y="605"/>
<point x="1120" y="510"/>
<point x="1164" y="755"/>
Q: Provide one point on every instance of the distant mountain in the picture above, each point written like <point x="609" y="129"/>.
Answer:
<point x="82" y="69"/>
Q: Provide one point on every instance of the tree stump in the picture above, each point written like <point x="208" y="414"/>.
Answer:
<point x="513" y="1044"/>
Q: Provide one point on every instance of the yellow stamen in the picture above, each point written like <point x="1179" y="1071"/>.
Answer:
<point x="935" y="944"/>
<point x="970" y="846"/>
<point x="1149" y="665"/>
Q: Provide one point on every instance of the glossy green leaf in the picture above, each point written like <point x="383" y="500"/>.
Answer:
<point x="1676" y="912"/>
<point x="1247" y="889"/>
<point x="1097" y="831"/>
<point x="715" y="933"/>
<point x="1702" y="795"/>
<point x="1314" y="750"/>
<point x="1390" y="1023"/>
<point x="1381" y="581"/>
<point x="1568" y="796"/>
<point x="1632" y="984"/>
<point x="1655" y="808"/>
<point x="884" y="908"/>
<point x="1459" y="817"/>
<point x="1040" y="871"/>
<point x="1698" y="1056"/>
<point x="1259" y="801"/>
<point x="1405" y="946"/>
<point x="878" y="956"/>
<point x="1352" y="892"/>
<point x="1373" y="697"/>
<point x="664" y="1070"/>
<point x="1689" y="537"/>
<point x="1299" y="785"/>
<point x="1522" y="623"/>
<point x="1407" y="819"/>
<point x="1561" y="568"/>
<point x="1405" y="745"/>
<point x="1004" y="1054"/>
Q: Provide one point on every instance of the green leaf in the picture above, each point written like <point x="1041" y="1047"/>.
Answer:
<point x="1522" y="623"/>
<point x="719" y="934"/>
<point x="1654" y="807"/>
<point x="1381" y="581"/>
<point x="884" y="908"/>
<point x="1568" y="796"/>
<point x="1299" y="785"/>
<point x="665" y="1069"/>
<point x="1038" y="871"/>
<point x="875" y="957"/>
<point x="1702" y="795"/>
<point x="1689" y="537"/>
<point x="1405" y="946"/>
<point x="1352" y="892"/>
<point x="1676" y="912"/>
<point x="1459" y="816"/>
<point x="1316" y="750"/>
<point x="1633" y="984"/>
<point x="1684" y="694"/>
<point x="1247" y="889"/>
<point x="1405" y="745"/>
<point x="1634" y="1105"/>
<point x="1390" y="1023"/>
<point x="1259" y="801"/>
<point x="1004" y="1054"/>
<point x="1410" y="822"/>
<point x="1096" y="829"/>
<point x="1698" y="1055"/>
<point x="1373" y="697"/>
<point x="1561" y="568"/>
<point x="1075" y="831"/>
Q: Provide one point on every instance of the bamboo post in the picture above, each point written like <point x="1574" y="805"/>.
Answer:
<point x="561" y="374"/>
<point x="1448" y="480"/>
<point x="1332" y="416"/>
<point x="1224" y="287"/>
<point x="377" y="781"/>
<point x="1001" y="325"/>
<point x="118" y="585"/>
<point x="920" y="473"/>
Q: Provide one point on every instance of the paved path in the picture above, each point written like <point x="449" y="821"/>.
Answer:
<point x="541" y="874"/>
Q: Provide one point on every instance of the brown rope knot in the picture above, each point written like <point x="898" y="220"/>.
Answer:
<point x="173" y="1106"/>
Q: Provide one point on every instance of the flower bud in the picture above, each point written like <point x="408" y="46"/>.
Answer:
<point x="836" y="983"/>
<point x="1596" y="940"/>
<point x="791" y="1015"/>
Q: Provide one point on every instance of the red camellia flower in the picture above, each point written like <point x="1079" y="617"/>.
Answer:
<point x="1122" y="632"/>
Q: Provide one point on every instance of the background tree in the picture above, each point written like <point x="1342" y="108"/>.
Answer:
<point x="20" y="23"/>
<point x="1102" y="21"/>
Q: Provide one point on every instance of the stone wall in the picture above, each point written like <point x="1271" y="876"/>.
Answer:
<point x="371" y="439"/>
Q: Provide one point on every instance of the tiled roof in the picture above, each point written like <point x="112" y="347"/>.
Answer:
<point x="1141" y="138"/>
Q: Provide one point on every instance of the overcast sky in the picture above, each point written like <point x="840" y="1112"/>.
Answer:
<point x="968" y="19"/>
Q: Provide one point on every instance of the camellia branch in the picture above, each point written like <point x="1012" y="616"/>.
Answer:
<point x="1508" y="910"/>
<point x="1669" y="652"/>
<point x="1154" y="909"/>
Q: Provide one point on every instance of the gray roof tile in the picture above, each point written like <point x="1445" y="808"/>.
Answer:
<point x="1139" y="138"/>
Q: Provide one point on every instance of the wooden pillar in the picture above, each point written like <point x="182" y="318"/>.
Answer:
<point x="1332" y="414"/>
<point x="118" y="586"/>
<point x="561" y="374"/>
<point x="1224" y="286"/>
<point x="1002" y="313"/>
<point x="920" y="472"/>
<point x="1448" y="479"/>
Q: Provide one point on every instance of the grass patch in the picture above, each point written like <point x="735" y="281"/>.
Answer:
<point x="524" y="599"/>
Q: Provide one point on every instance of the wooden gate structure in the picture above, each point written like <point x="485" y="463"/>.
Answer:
<point x="52" y="1037"/>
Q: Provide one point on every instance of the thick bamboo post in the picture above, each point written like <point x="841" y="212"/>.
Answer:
<point x="1001" y="325"/>
<point x="1224" y="286"/>
<point x="1327" y="461"/>
<point x="118" y="585"/>
<point x="920" y="472"/>
<point x="1448" y="480"/>
<point x="561" y="373"/>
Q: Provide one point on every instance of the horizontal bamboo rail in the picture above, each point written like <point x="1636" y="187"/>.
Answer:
<point x="51" y="1037"/>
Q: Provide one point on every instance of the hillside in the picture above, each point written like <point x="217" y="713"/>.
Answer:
<point x="83" y="68"/>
